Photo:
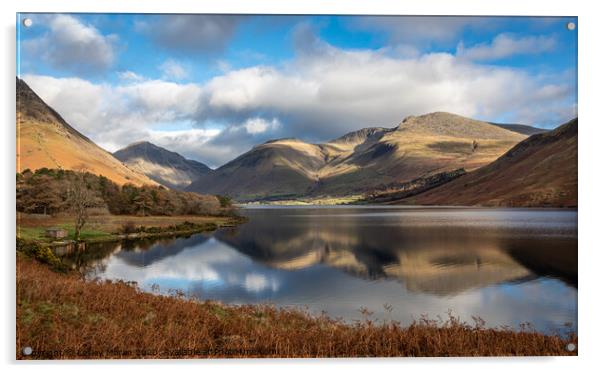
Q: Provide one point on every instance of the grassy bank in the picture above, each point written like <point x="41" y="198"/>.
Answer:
<point x="32" y="227"/>
<point x="62" y="316"/>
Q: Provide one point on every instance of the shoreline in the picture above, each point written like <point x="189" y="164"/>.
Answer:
<point x="49" y="251"/>
<point x="107" y="228"/>
<point x="210" y="227"/>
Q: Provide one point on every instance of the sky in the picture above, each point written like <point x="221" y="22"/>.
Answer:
<point x="210" y="87"/>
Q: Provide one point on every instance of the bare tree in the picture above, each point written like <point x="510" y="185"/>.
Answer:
<point x="80" y="198"/>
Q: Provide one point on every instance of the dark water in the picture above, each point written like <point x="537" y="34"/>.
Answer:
<point x="505" y="265"/>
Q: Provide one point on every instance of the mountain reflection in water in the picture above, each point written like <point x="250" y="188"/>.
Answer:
<point x="504" y="265"/>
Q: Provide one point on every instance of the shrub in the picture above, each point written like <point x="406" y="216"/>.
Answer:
<point x="154" y="230"/>
<point x="129" y="227"/>
<point x="224" y="201"/>
<point x="40" y="253"/>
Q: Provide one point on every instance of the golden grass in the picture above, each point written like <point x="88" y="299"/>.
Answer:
<point x="63" y="317"/>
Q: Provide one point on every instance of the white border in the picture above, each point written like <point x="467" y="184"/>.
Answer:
<point x="590" y="181"/>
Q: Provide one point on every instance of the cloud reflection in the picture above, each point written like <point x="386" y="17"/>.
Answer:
<point x="339" y="262"/>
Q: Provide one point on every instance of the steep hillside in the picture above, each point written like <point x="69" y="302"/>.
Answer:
<point x="163" y="166"/>
<point x="521" y="128"/>
<point x="45" y="139"/>
<point x="361" y="160"/>
<point x="539" y="171"/>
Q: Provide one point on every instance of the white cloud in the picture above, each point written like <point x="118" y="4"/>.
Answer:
<point x="327" y="91"/>
<point x="159" y="100"/>
<point x="195" y="135"/>
<point x="82" y="103"/>
<point x="130" y="75"/>
<point x="73" y="46"/>
<point x="506" y="45"/>
<point x="173" y="70"/>
<point x="260" y="125"/>
<point x="115" y="116"/>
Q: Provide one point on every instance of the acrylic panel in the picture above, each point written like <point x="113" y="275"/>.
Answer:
<point x="210" y="186"/>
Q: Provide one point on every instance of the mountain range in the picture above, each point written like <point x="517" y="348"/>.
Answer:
<point x="361" y="160"/>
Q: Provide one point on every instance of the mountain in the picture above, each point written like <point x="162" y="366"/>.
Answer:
<point x="285" y="168"/>
<point x="539" y="171"/>
<point x="361" y="160"/>
<point x="45" y="139"/>
<point x="161" y="165"/>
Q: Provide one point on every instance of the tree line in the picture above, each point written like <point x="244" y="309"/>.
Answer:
<point x="52" y="191"/>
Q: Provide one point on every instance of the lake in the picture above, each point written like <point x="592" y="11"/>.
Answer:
<point x="507" y="266"/>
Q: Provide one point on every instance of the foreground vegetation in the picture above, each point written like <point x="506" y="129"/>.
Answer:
<point x="61" y="316"/>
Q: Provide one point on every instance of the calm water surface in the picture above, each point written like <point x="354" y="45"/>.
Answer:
<point x="505" y="265"/>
